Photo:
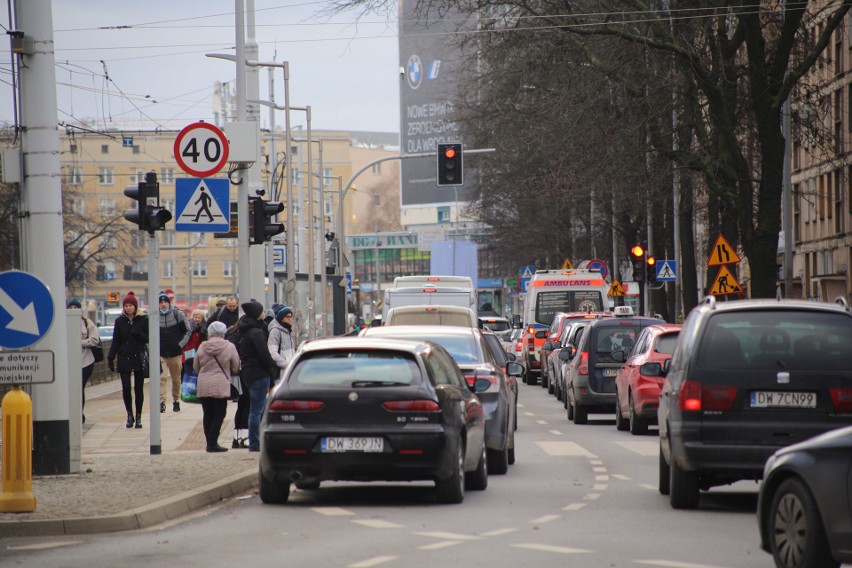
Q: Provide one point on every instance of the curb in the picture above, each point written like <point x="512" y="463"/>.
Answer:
<point x="141" y="517"/>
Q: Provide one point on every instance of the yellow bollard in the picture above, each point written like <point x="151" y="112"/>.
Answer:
<point x="17" y="495"/>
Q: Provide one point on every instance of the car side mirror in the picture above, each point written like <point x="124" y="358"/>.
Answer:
<point x="516" y="321"/>
<point x="511" y="357"/>
<point x="667" y="364"/>
<point x="514" y="369"/>
<point x="652" y="370"/>
<point x="540" y="334"/>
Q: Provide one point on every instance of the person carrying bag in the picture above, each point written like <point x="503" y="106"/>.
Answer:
<point x="216" y="361"/>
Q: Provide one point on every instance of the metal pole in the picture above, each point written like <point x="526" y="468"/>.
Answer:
<point x="154" y="343"/>
<point x="341" y="233"/>
<point x="312" y="324"/>
<point x="271" y="292"/>
<point x="290" y="287"/>
<point x="456" y="235"/>
<point x="321" y="242"/>
<point x="244" y="258"/>
<point x="257" y="256"/>
<point x="378" y="270"/>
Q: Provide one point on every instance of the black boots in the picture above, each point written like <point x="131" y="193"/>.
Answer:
<point x="129" y="420"/>
<point x="138" y="419"/>
<point x="215" y="449"/>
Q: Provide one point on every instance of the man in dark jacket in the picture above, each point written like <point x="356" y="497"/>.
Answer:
<point x="257" y="366"/>
<point x="174" y="334"/>
<point x="227" y="314"/>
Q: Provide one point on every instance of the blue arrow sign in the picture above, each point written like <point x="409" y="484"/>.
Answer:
<point x="26" y="309"/>
<point x="202" y="205"/>
<point x="666" y="270"/>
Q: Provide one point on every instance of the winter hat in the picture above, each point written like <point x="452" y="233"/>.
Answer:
<point x="217" y="328"/>
<point x="283" y="311"/>
<point x="130" y="298"/>
<point x="74" y="302"/>
<point x="164" y="296"/>
<point x="252" y="309"/>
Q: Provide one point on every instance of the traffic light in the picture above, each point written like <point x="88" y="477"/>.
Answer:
<point x="147" y="215"/>
<point x="262" y="227"/>
<point x="637" y="257"/>
<point x="450" y="166"/>
<point x="651" y="270"/>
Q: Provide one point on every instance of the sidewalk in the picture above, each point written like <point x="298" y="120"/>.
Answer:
<point x="121" y="485"/>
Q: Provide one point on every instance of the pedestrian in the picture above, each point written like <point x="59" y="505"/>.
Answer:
<point x="280" y="340"/>
<point x="174" y="335"/>
<point x="228" y="314"/>
<point x="198" y="327"/>
<point x="217" y="359"/>
<point x="90" y="339"/>
<point x="130" y="346"/>
<point x="257" y="366"/>
<point x="242" y="397"/>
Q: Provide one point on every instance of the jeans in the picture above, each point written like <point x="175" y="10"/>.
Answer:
<point x="257" y="398"/>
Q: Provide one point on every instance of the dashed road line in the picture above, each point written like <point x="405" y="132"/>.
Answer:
<point x="439" y="545"/>
<point x="601" y="478"/>
<point x="643" y="448"/>
<point x="574" y="507"/>
<point x="377" y="524"/>
<point x="449" y="536"/>
<point x="592" y="496"/>
<point x="332" y="511"/>
<point x="498" y="532"/>
<point x="369" y="563"/>
<point x="544" y="519"/>
<point x="564" y="449"/>
<point x="648" y="486"/>
<point x="599" y="469"/>
<point x="556" y="432"/>
<point x="600" y="487"/>
<point x="550" y="548"/>
<point x="542" y="422"/>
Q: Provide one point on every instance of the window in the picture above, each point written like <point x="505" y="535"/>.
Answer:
<point x="169" y="204"/>
<point x="838" y="202"/>
<point x="821" y="197"/>
<point x="328" y="206"/>
<point x="139" y="267"/>
<point x="105" y="176"/>
<point x="137" y="176"/>
<point x="229" y="268"/>
<point x="75" y="176"/>
<point x="838" y="120"/>
<point x="77" y="206"/>
<point x="168" y="238"/>
<point x="138" y="239"/>
<point x="108" y="240"/>
<point x="327" y="177"/>
<point x="199" y="268"/>
<point x="444" y="214"/>
<point x="106" y="207"/>
<point x="168" y="269"/>
<point x="797" y="212"/>
<point x="167" y="175"/>
<point x="136" y="150"/>
<point x="104" y="148"/>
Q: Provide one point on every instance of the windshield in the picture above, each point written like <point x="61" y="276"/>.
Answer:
<point x="550" y="303"/>
<point x="343" y="368"/>
<point x="463" y="348"/>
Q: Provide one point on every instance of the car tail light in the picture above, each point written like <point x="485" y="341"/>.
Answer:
<point x="412" y="406"/>
<point x="842" y="398"/>
<point x="694" y="398"/>
<point x="583" y="365"/>
<point x="690" y="396"/>
<point x="531" y="341"/>
<point x="519" y="347"/>
<point x="493" y="380"/>
<point x="295" y="405"/>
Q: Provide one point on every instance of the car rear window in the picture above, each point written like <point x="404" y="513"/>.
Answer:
<point x="461" y="347"/>
<point x="666" y="343"/>
<point x="777" y="340"/>
<point x="431" y="318"/>
<point x="610" y="339"/>
<point x="343" y="368"/>
<point x="496" y="325"/>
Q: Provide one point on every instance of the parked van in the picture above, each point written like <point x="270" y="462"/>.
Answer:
<point x="430" y="291"/>
<point x="432" y="315"/>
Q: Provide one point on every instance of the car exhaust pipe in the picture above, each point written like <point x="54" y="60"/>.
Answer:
<point x="295" y="476"/>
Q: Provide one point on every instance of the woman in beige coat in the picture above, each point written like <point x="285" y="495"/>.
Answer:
<point x="216" y="360"/>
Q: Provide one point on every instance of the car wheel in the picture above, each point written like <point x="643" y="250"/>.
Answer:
<point x="581" y="414"/>
<point x="638" y="426"/>
<point x="498" y="461"/>
<point x="528" y="378"/>
<point x="620" y="423"/>
<point x="511" y="451"/>
<point x="544" y="380"/>
<point x="683" y="487"/>
<point x="664" y="482"/>
<point x="307" y="485"/>
<point x="564" y="397"/>
<point x="570" y="407"/>
<point x="451" y="490"/>
<point x="478" y="480"/>
<point x="796" y="533"/>
<point x="551" y="388"/>
<point x="271" y="492"/>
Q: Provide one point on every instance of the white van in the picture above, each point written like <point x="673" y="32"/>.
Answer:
<point x="429" y="290"/>
<point x="432" y="315"/>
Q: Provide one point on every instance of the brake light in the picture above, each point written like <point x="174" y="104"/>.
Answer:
<point x="531" y="341"/>
<point x="689" y="398"/>
<point x="842" y="398"/>
<point x="295" y="405"/>
<point x="694" y="398"/>
<point x="493" y="381"/>
<point x="412" y="406"/>
<point x="583" y="365"/>
<point x="519" y="347"/>
<point x="429" y="290"/>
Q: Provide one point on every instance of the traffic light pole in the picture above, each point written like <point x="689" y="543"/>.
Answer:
<point x="154" y="342"/>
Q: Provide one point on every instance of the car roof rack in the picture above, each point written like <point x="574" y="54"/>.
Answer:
<point x="710" y="300"/>
<point x="842" y="301"/>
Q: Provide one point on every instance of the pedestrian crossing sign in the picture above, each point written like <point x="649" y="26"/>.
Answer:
<point x="201" y="205"/>
<point x="616" y="289"/>
<point x="725" y="283"/>
<point x="666" y="270"/>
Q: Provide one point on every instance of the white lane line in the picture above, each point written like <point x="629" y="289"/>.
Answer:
<point x="672" y="564"/>
<point x="332" y="511"/>
<point x="542" y="422"/>
<point x="621" y="476"/>
<point x="574" y="507"/>
<point x="642" y="448"/>
<point x="377" y="524"/>
<point x="556" y="432"/>
<point x="564" y="449"/>
<point x="521" y="405"/>
<point x="592" y="496"/>
<point x="449" y="536"/>
<point x="601" y="487"/>
<point x="439" y="545"/>
<point x="544" y="519"/>
<point x="601" y="478"/>
<point x="529" y="413"/>
<point x="648" y="486"/>
<point x="596" y="462"/>
<point x="373" y="561"/>
<point x="44" y="545"/>
<point x="599" y="469"/>
<point x="498" y="532"/>
<point x="549" y="548"/>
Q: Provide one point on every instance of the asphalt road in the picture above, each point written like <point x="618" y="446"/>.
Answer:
<point x="577" y="496"/>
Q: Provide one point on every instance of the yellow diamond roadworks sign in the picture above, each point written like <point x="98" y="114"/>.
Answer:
<point x="616" y="289"/>
<point x="722" y="253"/>
<point x="725" y="283"/>
<point x="567" y="264"/>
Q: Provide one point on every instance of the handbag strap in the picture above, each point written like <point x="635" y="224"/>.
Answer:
<point x="227" y="376"/>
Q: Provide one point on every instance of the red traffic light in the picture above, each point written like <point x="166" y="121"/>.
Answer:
<point x="450" y="152"/>
<point x="637" y="251"/>
<point x="651" y="261"/>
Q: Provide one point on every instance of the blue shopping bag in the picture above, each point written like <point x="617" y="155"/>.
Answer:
<point x="189" y="387"/>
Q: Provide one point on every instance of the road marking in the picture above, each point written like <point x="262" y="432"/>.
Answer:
<point x="44" y="545"/>
<point x="332" y="511"/>
<point x="574" y="507"/>
<point x="439" y="545"/>
<point x="498" y="532"/>
<point x="544" y="519"/>
<point x="377" y="524"/>
<point x="599" y="469"/>
<point x="529" y="413"/>
<point x="621" y="476"/>
<point x="542" y="422"/>
<point x="564" y="449"/>
<point x="648" y="486"/>
<point x="601" y="478"/>
<point x="449" y="536"/>
<point x="373" y="561"/>
<point x="550" y="548"/>
<point x="600" y="487"/>
<point x="556" y="432"/>
<point x="521" y="405"/>
<point x="642" y="448"/>
<point x="596" y="462"/>
<point x="672" y="564"/>
<point x="592" y="496"/>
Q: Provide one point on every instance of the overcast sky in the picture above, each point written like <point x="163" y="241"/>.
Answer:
<point x="156" y="69"/>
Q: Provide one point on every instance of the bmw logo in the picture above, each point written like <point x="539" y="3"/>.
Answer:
<point x="415" y="71"/>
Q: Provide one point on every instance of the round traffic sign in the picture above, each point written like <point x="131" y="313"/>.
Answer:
<point x="26" y="309"/>
<point x="201" y="149"/>
<point x="599" y="265"/>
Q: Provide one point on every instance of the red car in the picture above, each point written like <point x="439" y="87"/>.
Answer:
<point x="640" y="380"/>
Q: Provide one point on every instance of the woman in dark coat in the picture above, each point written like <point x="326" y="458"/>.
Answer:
<point x="129" y="340"/>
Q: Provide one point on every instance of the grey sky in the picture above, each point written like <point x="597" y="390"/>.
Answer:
<point x="347" y="72"/>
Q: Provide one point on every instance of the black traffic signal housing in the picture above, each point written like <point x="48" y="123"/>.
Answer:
<point x="148" y="215"/>
<point x="450" y="164"/>
<point x="637" y="257"/>
<point x="262" y="227"/>
<point x="651" y="270"/>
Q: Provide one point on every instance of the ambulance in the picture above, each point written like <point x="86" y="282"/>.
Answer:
<point x="550" y="292"/>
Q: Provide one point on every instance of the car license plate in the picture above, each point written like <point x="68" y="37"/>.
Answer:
<point x="610" y="372"/>
<point x="786" y="399"/>
<point x="352" y="444"/>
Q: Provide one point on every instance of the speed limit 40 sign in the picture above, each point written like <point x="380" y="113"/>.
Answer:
<point x="201" y="149"/>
